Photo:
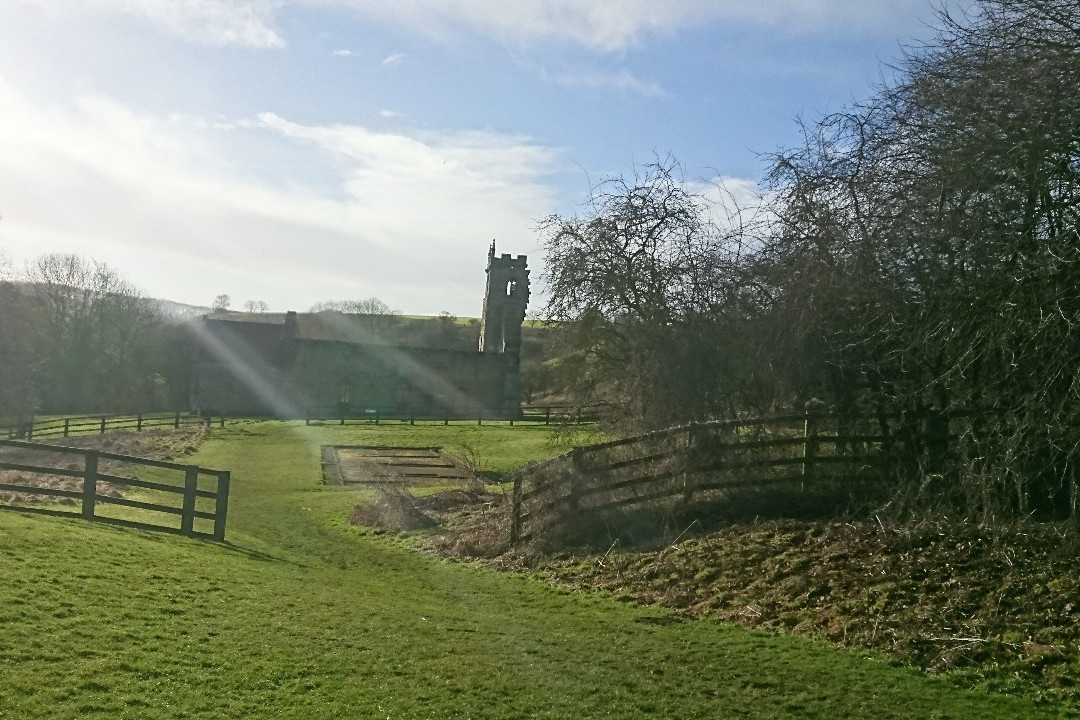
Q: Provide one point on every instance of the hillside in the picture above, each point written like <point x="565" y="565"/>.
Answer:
<point x="990" y="607"/>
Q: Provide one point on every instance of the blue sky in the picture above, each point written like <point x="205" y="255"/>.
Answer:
<point x="294" y="151"/>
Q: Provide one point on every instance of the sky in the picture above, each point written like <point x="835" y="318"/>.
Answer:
<point x="298" y="151"/>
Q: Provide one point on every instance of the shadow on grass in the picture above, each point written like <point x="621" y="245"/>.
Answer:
<point x="256" y="555"/>
<point x="167" y="537"/>
<point x="656" y="526"/>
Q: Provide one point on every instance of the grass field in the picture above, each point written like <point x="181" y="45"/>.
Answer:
<point x="301" y="616"/>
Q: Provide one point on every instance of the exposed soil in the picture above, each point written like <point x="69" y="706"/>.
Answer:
<point x="992" y="606"/>
<point x="381" y="465"/>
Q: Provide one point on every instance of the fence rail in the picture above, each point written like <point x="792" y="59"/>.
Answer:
<point x="98" y="470"/>
<point x="70" y="426"/>
<point x="73" y="425"/>
<point x="539" y="414"/>
<point x="693" y="463"/>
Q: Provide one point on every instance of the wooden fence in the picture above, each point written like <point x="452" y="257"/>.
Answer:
<point x="539" y="414"/>
<point x="706" y="461"/>
<point x="93" y="480"/>
<point x="68" y="426"/>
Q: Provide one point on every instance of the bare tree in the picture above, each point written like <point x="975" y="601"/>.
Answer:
<point x="644" y="288"/>
<point x="367" y="306"/>
<point x="91" y="331"/>
<point x="371" y="314"/>
<point x="256" y="306"/>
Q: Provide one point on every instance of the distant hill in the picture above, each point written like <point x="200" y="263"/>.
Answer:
<point x="179" y="311"/>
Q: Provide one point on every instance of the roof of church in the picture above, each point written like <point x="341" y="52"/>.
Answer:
<point x="353" y="328"/>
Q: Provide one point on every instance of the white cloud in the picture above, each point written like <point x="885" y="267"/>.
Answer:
<point x="342" y="212"/>
<point x="616" y="25"/>
<point x="344" y="53"/>
<point x="735" y="202"/>
<point x="623" y="81"/>
<point x="423" y="183"/>
<point x="247" y="23"/>
<point x="599" y="25"/>
<point x="394" y="59"/>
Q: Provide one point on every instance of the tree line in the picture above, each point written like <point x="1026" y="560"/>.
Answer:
<point x="76" y="337"/>
<point x="919" y="252"/>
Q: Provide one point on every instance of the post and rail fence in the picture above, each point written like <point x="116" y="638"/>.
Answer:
<point x="30" y="427"/>
<point x="92" y="481"/>
<point x="703" y="461"/>
<point x="536" y="414"/>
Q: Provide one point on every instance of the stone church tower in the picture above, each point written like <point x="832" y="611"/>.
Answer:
<point x="505" y="299"/>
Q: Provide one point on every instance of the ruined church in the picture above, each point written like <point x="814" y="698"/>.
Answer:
<point x="290" y="364"/>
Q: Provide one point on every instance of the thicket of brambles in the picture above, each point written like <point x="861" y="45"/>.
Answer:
<point x="917" y="252"/>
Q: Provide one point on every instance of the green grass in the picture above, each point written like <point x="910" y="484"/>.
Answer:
<point x="302" y="616"/>
<point x="465" y="321"/>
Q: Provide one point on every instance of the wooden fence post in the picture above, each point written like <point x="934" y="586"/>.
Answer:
<point x="515" y="511"/>
<point x="691" y="459"/>
<point x="575" y="468"/>
<point x="937" y="441"/>
<point x="547" y="415"/>
<point x="90" y="473"/>
<point x="1074" y="502"/>
<point x="191" y="486"/>
<point x="222" y="508"/>
<point x="221" y="421"/>
<point x="67" y="426"/>
<point x="102" y="424"/>
<point x="176" y="421"/>
<point x="810" y="444"/>
<point x="138" y="423"/>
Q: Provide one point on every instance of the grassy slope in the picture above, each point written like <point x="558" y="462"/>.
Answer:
<point x="994" y="606"/>
<point x="301" y="616"/>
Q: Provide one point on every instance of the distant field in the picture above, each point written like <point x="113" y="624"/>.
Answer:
<point x="300" y="615"/>
<point x="528" y="323"/>
<point x="457" y="320"/>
